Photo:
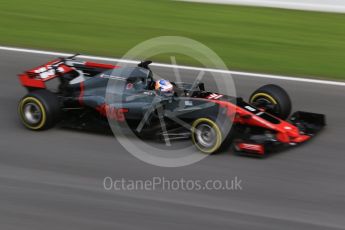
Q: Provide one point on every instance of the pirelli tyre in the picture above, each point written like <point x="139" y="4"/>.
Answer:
<point x="273" y="99"/>
<point x="39" y="110"/>
<point x="206" y="135"/>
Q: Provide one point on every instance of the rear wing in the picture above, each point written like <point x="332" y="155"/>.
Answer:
<point x="36" y="77"/>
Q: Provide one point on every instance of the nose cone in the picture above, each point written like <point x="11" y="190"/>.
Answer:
<point x="292" y="130"/>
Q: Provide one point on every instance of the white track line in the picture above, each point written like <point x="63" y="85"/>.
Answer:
<point x="258" y="75"/>
<point x="333" y="6"/>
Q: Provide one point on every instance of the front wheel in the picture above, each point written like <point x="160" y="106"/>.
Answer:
<point x="273" y="99"/>
<point x="206" y="135"/>
<point x="39" y="110"/>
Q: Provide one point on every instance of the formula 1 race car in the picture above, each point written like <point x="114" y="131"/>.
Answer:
<point x="88" y="92"/>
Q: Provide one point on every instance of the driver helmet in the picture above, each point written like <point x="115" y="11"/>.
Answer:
<point x="164" y="86"/>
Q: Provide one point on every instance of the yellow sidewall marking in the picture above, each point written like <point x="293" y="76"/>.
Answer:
<point x="265" y="95"/>
<point x="218" y="134"/>
<point x="43" y="111"/>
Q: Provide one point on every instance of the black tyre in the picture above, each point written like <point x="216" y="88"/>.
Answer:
<point x="39" y="110"/>
<point x="273" y="99"/>
<point x="206" y="135"/>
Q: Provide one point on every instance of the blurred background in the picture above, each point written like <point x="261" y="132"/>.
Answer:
<point x="266" y="40"/>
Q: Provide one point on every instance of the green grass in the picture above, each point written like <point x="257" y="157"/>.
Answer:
<point x="247" y="38"/>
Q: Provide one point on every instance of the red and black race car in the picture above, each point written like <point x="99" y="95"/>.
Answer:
<point x="79" y="93"/>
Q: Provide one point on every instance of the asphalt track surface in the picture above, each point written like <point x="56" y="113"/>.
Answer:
<point x="53" y="179"/>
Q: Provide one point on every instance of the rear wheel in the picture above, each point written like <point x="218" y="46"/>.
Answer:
<point x="39" y="110"/>
<point x="206" y="135"/>
<point x="273" y="99"/>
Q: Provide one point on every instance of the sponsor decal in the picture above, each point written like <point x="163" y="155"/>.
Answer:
<point x="251" y="147"/>
<point x="112" y="77"/>
<point x="129" y="86"/>
<point x="112" y="113"/>
<point x="214" y="96"/>
<point x="188" y="103"/>
<point x="249" y="108"/>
